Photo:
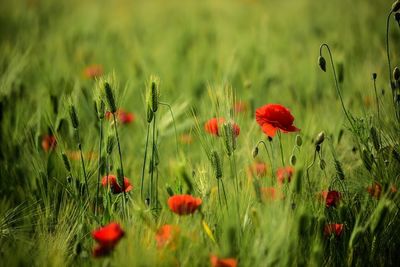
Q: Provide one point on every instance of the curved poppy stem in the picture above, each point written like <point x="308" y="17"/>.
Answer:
<point x="280" y="145"/>
<point x="173" y="120"/>
<point x="99" y="166"/>
<point x="336" y="82"/>
<point x="269" y="156"/>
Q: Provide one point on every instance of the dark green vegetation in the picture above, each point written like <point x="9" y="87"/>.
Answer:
<point x="208" y="55"/>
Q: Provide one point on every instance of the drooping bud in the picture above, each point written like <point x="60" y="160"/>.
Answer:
<point x="320" y="138"/>
<point x="73" y="116"/>
<point x="396" y="73"/>
<point x="67" y="164"/>
<point x="322" y="63"/>
<point x="396" y="6"/>
<point x="110" y="98"/>
<point x="293" y="160"/>
<point x="110" y="144"/>
<point x="374" y="76"/>
<point x="255" y="152"/>
<point x="217" y="164"/>
<point x="299" y="141"/>
<point x="322" y="164"/>
<point x="397" y="17"/>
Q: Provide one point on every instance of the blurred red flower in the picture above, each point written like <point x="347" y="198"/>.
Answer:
<point x="375" y="190"/>
<point x="123" y="116"/>
<point x="258" y="169"/>
<point x="240" y="106"/>
<point x="113" y="182"/>
<point x="269" y="193"/>
<point x="273" y="117"/>
<point x="93" y="71"/>
<point x="333" y="228"/>
<point x="213" y="125"/>
<point x="49" y="142"/>
<point x="107" y="238"/>
<point x="184" y="204"/>
<point x="284" y="174"/>
<point x="166" y="235"/>
<point x="332" y="198"/>
<point x="227" y="262"/>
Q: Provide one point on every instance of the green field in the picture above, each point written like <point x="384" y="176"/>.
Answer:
<point x="95" y="91"/>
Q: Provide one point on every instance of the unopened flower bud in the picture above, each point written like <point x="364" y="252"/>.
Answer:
<point x="322" y="63"/>
<point x="255" y="152"/>
<point x="374" y="76"/>
<point x="396" y="6"/>
<point x="299" y="140"/>
<point x="322" y="164"/>
<point x="320" y="138"/>
<point x="396" y="73"/>
<point x="397" y="17"/>
<point x="293" y="160"/>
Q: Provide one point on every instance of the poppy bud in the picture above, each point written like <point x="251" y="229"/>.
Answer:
<point x="216" y="163"/>
<point x="320" y="138"/>
<point x="110" y="97"/>
<point x="73" y="116"/>
<point x="299" y="141"/>
<point x="110" y="144"/>
<point x="322" y="63"/>
<point x="375" y="138"/>
<point x="322" y="164"/>
<point x="397" y="17"/>
<point x="374" y="76"/>
<point x="396" y="6"/>
<point x="255" y="152"/>
<point x="396" y="73"/>
<point x="66" y="162"/>
<point x="293" y="160"/>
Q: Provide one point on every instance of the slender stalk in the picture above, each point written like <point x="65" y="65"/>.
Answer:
<point x="82" y="161"/>
<point x="280" y="145"/>
<point x="308" y="177"/>
<point x="388" y="50"/>
<point x="376" y="98"/>
<point x="336" y="82"/>
<point x="144" y="161"/>
<point x="269" y="156"/>
<point x="120" y="157"/>
<point x="98" y="166"/>
<point x="173" y="120"/>
<point x="152" y="161"/>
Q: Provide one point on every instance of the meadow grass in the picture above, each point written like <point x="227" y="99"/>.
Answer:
<point x="175" y="65"/>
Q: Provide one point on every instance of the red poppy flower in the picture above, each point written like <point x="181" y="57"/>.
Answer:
<point x="49" y="142"/>
<point x="93" y="71"/>
<point x="227" y="262"/>
<point x="184" y="204"/>
<point x="166" y="234"/>
<point x="213" y="125"/>
<point x="284" y="174"/>
<point x="113" y="182"/>
<point x="333" y="228"/>
<point x="258" y="169"/>
<point x="108" y="236"/>
<point x="375" y="190"/>
<point x="273" y="117"/>
<point x="332" y="198"/>
<point x="123" y="116"/>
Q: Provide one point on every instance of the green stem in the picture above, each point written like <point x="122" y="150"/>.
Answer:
<point x="99" y="167"/>
<point x="387" y="48"/>
<point x="269" y="156"/>
<point x="308" y="177"/>
<point x="120" y="157"/>
<point x="280" y="145"/>
<point x="82" y="161"/>
<point x="144" y="161"/>
<point x="152" y="161"/>
<point x="173" y="120"/>
<point x="336" y="82"/>
<point x="376" y="98"/>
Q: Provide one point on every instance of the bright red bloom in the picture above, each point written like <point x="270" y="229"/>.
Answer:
<point x="93" y="71"/>
<point x="258" y="169"/>
<point x="213" y="126"/>
<point x="108" y="236"/>
<point x="123" y="116"/>
<point x="49" y="142"/>
<point x="332" y="198"/>
<point x="184" y="204"/>
<point x="166" y="234"/>
<point x="375" y="190"/>
<point x="227" y="262"/>
<point x="284" y="174"/>
<point x="113" y="182"/>
<point x="333" y="228"/>
<point x="273" y="117"/>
